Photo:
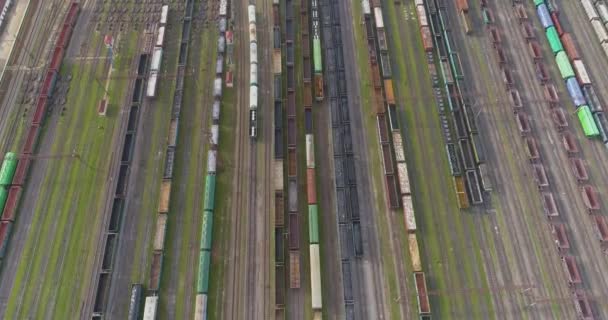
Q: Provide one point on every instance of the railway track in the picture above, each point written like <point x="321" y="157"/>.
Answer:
<point x="34" y="48"/>
<point x="233" y="305"/>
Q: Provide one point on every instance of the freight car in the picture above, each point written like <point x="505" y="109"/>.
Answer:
<point x="316" y="51"/>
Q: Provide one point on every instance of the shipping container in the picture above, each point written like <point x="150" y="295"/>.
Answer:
<point x="422" y="18"/>
<point x="278" y="175"/>
<point x="253" y="53"/>
<point x="313" y="223"/>
<point x="408" y="212"/>
<point x="427" y="39"/>
<point x="294" y="270"/>
<point x="159" y="234"/>
<point x="206" y="230"/>
<point x="202" y="282"/>
<point x="253" y="74"/>
<point x="200" y="307"/>
<point x="414" y="253"/>
<point x="253" y="33"/>
<point x="315" y="277"/>
<point x="160" y="39"/>
<point x="150" y="307"/>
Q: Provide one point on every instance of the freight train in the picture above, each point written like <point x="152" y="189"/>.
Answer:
<point x="316" y="51"/>
<point x="253" y="73"/>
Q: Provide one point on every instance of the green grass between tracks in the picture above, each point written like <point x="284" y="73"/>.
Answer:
<point x="421" y="142"/>
<point x="378" y="189"/>
<point x="73" y="205"/>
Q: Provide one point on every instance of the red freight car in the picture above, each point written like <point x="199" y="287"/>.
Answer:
<point x="532" y="148"/>
<point x="64" y="36"/>
<point x="311" y="187"/>
<point x="32" y="138"/>
<point x="56" y="59"/>
<point x="21" y="171"/>
<point x="70" y="19"/>
<point x="601" y="228"/>
<point x="590" y="198"/>
<point x="14" y="194"/>
<point x="579" y="169"/>
<point x="560" y="235"/>
<point x="570" y="47"/>
<point x="427" y="39"/>
<point x="549" y="205"/>
<point x="574" y="276"/>
<point x="569" y="143"/>
<point x="462" y="5"/>
<point x="557" y="24"/>
<point x="424" y="307"/>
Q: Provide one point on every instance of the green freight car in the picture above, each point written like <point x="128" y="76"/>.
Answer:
<point x="587" y="122"/>
<point x="563" y="63"/>
<point x="202" y="284"/>
<point x="8" y="169"/>
<point x="538" y="2"/>
<point x="313" y="223"/>
<point x="209" y="200"/>
<point x="206" y="230"/>
<point x="554" y="41"/>
<point x="3" y="197"/>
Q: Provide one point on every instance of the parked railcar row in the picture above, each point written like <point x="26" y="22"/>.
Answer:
<point x="347" y="205"/>
<point x="16" y="167"/>
<point x="204" y="262"/>
<point x="597" y="13"/>
<point x="5" y="6"/>
<point x="158" y="243"/>
<point x="565" y="52"/>
<point x="253" y="73"/>
<point x="558" y="229"/>
<point x="112" y="233"/>
<point x="293" y="216"/>
<point x="404" y="193"/>
<point x="311" y="185"/>
<point x="383" y="96"/>
<point x="157" y="53"/>
<point x="466" y="156"/>
<point x="424" y="309"/>
<point x="279" y="193"/>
